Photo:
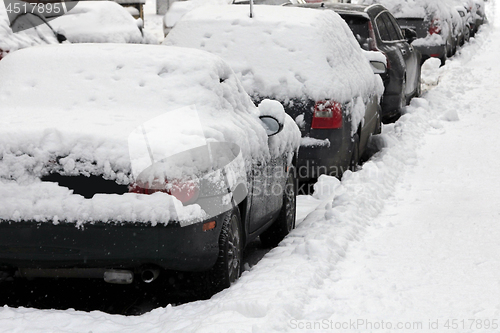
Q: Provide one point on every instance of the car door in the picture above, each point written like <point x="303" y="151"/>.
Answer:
<point x="407" y="50"/>
<point x="267" y="192"/>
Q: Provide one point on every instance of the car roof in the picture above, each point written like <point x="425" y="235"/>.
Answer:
<point x="308" y="53"/>
<point x="347" y="8"/>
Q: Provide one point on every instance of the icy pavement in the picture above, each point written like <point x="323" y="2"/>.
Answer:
<point x="410" y="240"/>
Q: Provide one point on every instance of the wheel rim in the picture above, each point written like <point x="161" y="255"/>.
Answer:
<point x="234" y="250"/>
<point x="290" y="202"/>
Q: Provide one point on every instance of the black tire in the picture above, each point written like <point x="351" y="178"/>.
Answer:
<point x="286" y="219"/>
<point x="418" y="93"/>
<point x="227" y="268"/>
<point x="354" y="162"/>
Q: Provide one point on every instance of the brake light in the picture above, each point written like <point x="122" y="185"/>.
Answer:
<point x="434" y="27"/>
<point x="3" y="53"/>
<point x="185" y="191"/>
<point x="327" y="115"/>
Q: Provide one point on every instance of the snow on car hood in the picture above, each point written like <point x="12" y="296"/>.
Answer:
<point x="282" y="52"/>
<point x="76" y="116"/>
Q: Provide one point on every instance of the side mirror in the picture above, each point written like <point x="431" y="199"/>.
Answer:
<point x="272" y="116"/>
<point x="378" y="67"/>
<point x="409" y="34"/>
<point x="60" y="37"/>
<point x="271" y="125"/>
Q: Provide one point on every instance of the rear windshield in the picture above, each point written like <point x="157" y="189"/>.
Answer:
<point x="360" y="29"/>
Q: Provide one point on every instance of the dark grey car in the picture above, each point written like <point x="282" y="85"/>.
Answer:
<point x="377" y="30"/>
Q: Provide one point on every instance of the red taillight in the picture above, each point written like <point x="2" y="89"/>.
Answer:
<point x="327" y="115"/>
<point x="434" y="27"/>
<point x="185" y="191"/>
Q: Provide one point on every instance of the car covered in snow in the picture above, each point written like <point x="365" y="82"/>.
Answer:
<point x="25" y="29"/>
<point x="377" y="30"/>
<point x="435" y="23"/>
<point x="126" y="160"/>
<point x="101" y="22"/>
<point x="308" y="60"/>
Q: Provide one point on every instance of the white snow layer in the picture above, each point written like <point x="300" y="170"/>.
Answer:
<point x="350" y="259"/>
<point x="85" y="102"/>
<point x="100" y="22"/>
<point x="282" y="52"/>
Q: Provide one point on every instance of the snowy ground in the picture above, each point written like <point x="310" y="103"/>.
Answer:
<point x="409" y="241"/>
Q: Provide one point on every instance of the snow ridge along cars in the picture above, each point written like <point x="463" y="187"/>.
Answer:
<point x="376" y="30"/>
<point x="128" y="159"/>
<point x="307" y="59"/>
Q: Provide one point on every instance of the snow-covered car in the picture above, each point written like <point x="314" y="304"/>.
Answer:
<point x="25" y="29"/>
<point x="101" y="22"/>
<point x="476" y="10"/>
<point x="466" y="26"/>
<point x="433" y="21"/>
<point x="128" y="159"/>
<point x="377" y="30"/>
<point x="309" y="60"/>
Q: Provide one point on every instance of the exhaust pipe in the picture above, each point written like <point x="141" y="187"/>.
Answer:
<point x="149" y="275"/>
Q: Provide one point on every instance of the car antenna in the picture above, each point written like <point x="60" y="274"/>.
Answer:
<point x="251" y="8"/>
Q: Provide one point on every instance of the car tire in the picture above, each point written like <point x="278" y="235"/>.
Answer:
<point x="285" y="222"/>
<point x="402" y="101"/>
<point x="227" y="268"/>
<point x="354" y="162"/>
<point x="418" y="92"/>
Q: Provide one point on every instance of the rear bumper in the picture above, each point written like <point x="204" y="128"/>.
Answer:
<point x="105" y="245"/>
<point x="315" y="161"/>
<point x="432" y="51"/>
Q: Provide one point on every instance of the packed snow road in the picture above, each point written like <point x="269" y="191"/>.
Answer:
<point x="407" y="243"/>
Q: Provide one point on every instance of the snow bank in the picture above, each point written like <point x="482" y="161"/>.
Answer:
<point x="87" y="100"/>
<point x="283" y="52"/>
<point x="99" y="22"/>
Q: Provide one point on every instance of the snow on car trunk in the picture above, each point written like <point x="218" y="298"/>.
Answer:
<point x="67" y="120"/>
<point x="283" y="52"/>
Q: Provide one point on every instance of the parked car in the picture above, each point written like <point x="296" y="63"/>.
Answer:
<point x="101" y="22"/>
<point x="431" y="20"/>
<point x="25" y="29"/>
<point x="130" y="159"/>
<point x="377" y="30"/>
<point x="305" y="58"/>
<point x="466" y="26"/>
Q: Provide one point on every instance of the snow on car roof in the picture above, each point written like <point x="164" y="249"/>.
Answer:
<point x="282" y="52"/>
<point x="98" y="22"/>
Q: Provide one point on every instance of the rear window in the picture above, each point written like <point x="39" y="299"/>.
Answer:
<point x="360" y="28"/>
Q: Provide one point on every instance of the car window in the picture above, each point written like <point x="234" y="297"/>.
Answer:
<point x="360" y="28"/>
<point x="393" y="33"/>
<point x="396" y="27"/>
<point x="382" y="29"/>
